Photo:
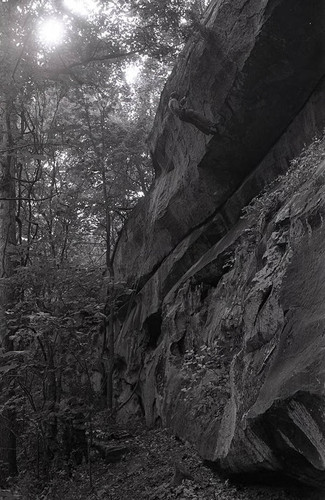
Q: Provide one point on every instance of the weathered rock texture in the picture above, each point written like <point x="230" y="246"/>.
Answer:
<point x="224" y="339"/>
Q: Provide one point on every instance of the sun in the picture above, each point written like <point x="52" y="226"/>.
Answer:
<point x="51" y="32"/>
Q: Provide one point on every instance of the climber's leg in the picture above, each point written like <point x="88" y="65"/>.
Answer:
<point x="202" y="123"/>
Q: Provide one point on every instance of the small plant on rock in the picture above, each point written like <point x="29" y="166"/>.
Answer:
<point x="206" y="370"/>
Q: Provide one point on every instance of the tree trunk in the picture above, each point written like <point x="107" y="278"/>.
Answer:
<point x="109" y="348"/>
<point x="51" y="424"/>
<point x="7" y="221"/>
<point x="111" y="351"/>
<point x="7" y="255"/>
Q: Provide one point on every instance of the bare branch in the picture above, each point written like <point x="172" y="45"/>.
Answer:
<point x="29" y="199"/>
<point x="67" y="68"/>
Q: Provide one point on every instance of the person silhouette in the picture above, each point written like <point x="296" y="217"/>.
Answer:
<point x="177" y="107"/>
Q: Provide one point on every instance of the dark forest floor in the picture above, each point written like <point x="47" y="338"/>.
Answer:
<point x="153" y="468"/>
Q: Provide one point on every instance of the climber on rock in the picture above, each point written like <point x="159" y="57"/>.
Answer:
<point x="177" y="107"/>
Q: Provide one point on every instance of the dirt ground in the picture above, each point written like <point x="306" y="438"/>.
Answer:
<point x="151" y="465"/>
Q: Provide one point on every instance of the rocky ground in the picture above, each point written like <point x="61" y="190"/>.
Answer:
<point x="150" y="465"/>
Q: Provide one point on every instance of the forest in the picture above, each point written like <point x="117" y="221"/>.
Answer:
<point x="79" y="86"/>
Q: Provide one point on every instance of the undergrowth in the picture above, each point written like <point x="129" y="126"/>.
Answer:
<point x="303" y="169"/>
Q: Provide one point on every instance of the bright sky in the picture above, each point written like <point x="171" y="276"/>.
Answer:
<point x="131" y="73"/>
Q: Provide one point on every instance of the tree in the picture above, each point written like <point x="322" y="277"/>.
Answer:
<point x="7" y="222"/>
<point x="73" y="164"/>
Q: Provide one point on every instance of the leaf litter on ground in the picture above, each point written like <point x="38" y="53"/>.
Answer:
<point x="157" y="466"/>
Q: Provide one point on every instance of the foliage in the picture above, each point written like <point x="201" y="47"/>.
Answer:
<point x="302" y="170"/>
<point x="48" y="373"/>
<point x="75" y="160"/>
<point x="79" y="121"/>
<point x="205" y="369"/>
<point x="197" y="363"/>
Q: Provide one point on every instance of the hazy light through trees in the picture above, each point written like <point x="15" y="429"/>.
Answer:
<point x="82" y="7"/>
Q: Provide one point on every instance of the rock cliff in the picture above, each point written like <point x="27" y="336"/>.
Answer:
<point x="223" y="340"/>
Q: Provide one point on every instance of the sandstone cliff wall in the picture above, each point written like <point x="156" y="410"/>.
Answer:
<point x="223" y="340"/>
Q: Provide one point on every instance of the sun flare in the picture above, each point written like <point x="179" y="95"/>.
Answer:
<point x="51" y="32"/>
<point x="131" y="73"/>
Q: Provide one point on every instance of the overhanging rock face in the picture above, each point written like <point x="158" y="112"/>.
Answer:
<point x="242" y="298"/>
<point x="259" y="66"/>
